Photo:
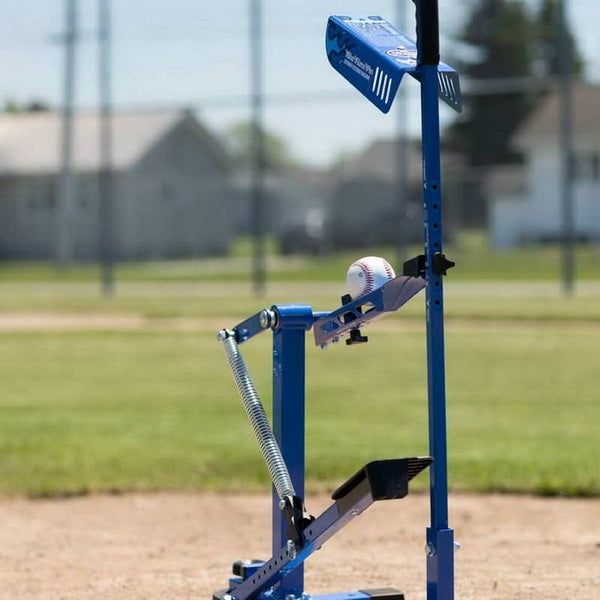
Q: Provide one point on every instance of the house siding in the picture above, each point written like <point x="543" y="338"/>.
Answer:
<point x="536" y="215"/>
<point x="174" y="202"/>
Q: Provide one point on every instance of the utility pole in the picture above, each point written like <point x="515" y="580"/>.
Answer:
<point x="105" y="182"/>
<point x="64" y="241"/>
<point x="566" y="144"/>
<point x="257" y="145"/>
<point x="402" y="154"/>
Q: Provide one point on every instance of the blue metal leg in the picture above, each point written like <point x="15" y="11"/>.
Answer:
<point x="288" y="420"/>
<point x="440" y="578"/>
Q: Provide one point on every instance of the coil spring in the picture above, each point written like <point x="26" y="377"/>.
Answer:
<point x="260" y="423"/>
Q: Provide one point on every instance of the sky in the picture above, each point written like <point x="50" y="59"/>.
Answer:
<point x="195" y="53"/>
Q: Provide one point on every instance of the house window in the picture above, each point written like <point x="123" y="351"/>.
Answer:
<point x="85" y="193"/>
<point x="586" y="166"/>
<point x="596" y="166"/>
<point x="34" y="196"/>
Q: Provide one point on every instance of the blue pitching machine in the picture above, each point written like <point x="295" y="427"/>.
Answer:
<point x="373" y="56"/>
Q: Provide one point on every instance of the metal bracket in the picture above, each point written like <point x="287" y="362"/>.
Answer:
<point x="441" y="264"/>
<point x="351" y="316"/>
<point x="415" y="267"/>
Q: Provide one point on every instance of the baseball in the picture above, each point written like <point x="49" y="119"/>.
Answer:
<point x="368" y="274"/>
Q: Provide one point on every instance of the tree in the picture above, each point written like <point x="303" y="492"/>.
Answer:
<point x="501" y="33"/>
<point x="548" y="42"/>
<point x="509" y="42"/>
<point x="238" y="141"/>
<point x="11" y="106"/>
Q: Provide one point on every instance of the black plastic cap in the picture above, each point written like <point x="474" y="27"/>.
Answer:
<point x="428" y="32"/>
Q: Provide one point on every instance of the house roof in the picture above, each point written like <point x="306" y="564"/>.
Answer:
<point x="545" y="120"/>
<point x="30" y="142"/>
<point x="380" y="161"/>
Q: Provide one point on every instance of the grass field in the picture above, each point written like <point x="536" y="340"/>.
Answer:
<point x="475" y="260"/>
<point x="102" y="408"/>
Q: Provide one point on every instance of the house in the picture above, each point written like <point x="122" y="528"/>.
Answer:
<point x="526" y="204"/>
<point x="171" y="186"/>
<point x="295" y="199"/>
<point x="365" y="203"/>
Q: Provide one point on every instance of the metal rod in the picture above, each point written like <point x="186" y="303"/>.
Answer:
<point x="64" y="242"/>
<point x="105" y="181"/>
<point x="402" y="184"/>
<point x="566" y="144"/>
<point x="440" y="567"/>
<point x="289" y="430"/>
<point x="257" y="192"/>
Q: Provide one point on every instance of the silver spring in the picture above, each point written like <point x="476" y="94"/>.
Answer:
<point x="260" y="424"/>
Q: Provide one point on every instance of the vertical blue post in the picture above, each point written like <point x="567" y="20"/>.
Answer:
<point x="288" y="419"/>
<point x="440" y="543"/>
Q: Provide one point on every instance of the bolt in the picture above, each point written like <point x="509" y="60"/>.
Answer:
<point x="429" y="550"/>
<point x="290" y="597"/>
<point x="281" y="504"/>
<point x="335" y="339"/>
<point x="222" y="335"/>
<point x="264" y="319"/>
<point x="291" y="550"/>
<point x="457" y="546"/>
<point x="305" y="596"/>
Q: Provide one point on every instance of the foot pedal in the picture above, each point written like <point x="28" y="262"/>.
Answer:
<point x="246" y="568"/>
<point x="383" y="594"/>
<point x="380" y="479"/>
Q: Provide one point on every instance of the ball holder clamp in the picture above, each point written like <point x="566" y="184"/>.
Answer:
<point x="373" y="56"/>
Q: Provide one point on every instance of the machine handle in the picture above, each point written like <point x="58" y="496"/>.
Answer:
<point x="428" y="32"/>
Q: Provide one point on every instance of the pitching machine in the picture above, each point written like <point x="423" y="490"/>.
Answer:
<point x="373" y="56"/>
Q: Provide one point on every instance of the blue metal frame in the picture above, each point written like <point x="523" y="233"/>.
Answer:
<point x="440" y="545"/>
<point x="373" y="56"/>
<point x="288" y="419"/>
<point x="361" y="49"/>
<point x="289" y="323"/>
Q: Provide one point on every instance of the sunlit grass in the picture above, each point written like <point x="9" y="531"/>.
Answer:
<point x="143" y="410"/>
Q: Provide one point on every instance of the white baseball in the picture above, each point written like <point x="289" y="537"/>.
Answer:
<point x="368" y="274"/>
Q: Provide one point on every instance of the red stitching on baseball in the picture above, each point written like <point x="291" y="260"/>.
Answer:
<point x="369" y="279"/>
<point x="388" y="269"/>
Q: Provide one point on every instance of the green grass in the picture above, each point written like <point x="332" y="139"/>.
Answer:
<point x="475" y="262"/>
<point x="473" y="301"/>
<point x="144" y="410"/>
<point x="155" y="408"/>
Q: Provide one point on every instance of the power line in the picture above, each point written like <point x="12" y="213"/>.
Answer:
<point x="480" y="87"/>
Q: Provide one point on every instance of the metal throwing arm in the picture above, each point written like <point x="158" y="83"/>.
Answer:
<point x="378" y="480"/>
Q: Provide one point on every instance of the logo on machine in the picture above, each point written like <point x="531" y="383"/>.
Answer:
<point x="402" y="52"/>
<point x="356" y="64"/>
<point x="403" y="56"/>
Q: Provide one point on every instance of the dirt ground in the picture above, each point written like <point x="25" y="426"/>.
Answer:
<point x="175" y="546"/>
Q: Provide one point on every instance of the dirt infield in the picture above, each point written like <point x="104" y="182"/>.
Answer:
<point x="176" y="546"/>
